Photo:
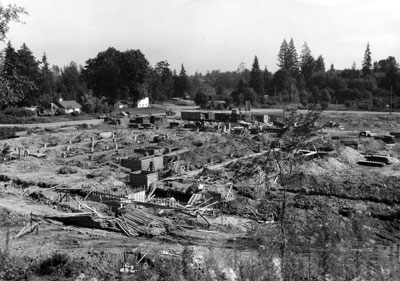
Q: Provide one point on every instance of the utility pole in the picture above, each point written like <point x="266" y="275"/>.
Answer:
<point x="291" y="95"/>
<point x="336" y="108"/>
<point x="391" y="99"/>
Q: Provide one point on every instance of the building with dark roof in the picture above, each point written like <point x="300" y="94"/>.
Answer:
<point x="68" y="106"/>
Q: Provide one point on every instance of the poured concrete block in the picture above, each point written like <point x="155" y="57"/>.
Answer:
<point x="106" y="135"/>
<point x="143" y="179"/>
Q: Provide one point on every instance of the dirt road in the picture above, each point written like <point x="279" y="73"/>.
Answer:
<point x="56" y="124"/>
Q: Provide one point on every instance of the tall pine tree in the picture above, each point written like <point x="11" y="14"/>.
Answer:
<point x="287" y="57"/>
<point x="319" y="64"/>
<point x="10" y="61"/>
<point x="282" y="55"/>
<point x="46" y="84"/>
<point x="367" y="62"/>
<point x="306" y="61"/>
<point x="292" y="59"/>
<point x="27" y="65"/>
<point x="181" y="84"/>
<point x="256" y="79"/>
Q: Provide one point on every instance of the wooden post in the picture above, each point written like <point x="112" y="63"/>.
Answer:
<point x="7" y="240"/>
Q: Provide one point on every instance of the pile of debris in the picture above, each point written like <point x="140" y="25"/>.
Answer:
<point x="135" y="222"/>
<point x="375" y="160"/>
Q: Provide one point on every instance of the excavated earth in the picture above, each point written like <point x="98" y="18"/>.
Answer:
<point x="339" y="216"/>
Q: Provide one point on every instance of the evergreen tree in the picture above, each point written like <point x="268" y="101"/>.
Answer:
<point x="46" y="84"/>
<point x="287" y="57"/>
<point x="256" y="79"/>
<point x="267" y="80"/>
<point x="26" y="71"/>
<point x="70" y="85"/>
<point x="367" y="62"/>
<point x="292" y="59"/>
<point x="282" y="55"/>
<point x="181" y="83"/>
<point x="14" y="88"/>
<point x="319" y="64"/>
<point x="238" y="94"/>
<point x="241" y="87"/>
<point x="10" y="61"/>
<point x="27" y="65"/>
<point x="306" y="61"/>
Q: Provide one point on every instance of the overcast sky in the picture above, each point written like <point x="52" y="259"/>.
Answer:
<point x="209" y="34"/>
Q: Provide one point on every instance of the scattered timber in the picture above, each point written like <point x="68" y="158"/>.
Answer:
<point x="371" y="163"/>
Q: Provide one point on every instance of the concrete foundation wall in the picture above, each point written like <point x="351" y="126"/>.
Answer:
<point x="142" y="164"/>
<point x="143" y="179"/>
<point x="138" y="196"/>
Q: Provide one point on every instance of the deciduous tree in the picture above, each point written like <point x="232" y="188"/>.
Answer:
<point x="9" y="14"/>
<point x="201" y="99"/>
<point x="117" y="75"/>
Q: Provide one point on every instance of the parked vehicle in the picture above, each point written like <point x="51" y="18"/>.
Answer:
<point x="366" y="134"/>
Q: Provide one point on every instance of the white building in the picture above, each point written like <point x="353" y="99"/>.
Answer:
<point x="142" y="103"/>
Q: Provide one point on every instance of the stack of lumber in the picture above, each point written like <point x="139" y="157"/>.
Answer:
<point x="88" y="219"/>
<point x="135" y="222"/>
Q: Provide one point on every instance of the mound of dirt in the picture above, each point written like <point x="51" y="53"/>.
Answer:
<point x="67" y="170"/>
<point x="327" y="165"/>
<point x="371" y="145"/>
<point x="349" y="156"/>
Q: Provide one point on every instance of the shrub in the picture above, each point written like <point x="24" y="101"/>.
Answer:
<point x="9" y="119"/>
<point x="58" y="264"/>
<point x="324" y="105"/>
<point x="10" y="268"/>
<point x="347" y="104"/>
<point x="60" y="111"/>
<point x="52" y="264"/>
<point x="8" y="132"/>
<point x="18" y="112"/>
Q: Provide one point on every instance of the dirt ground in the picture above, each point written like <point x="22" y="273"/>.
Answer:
<point x="335" y="207"/>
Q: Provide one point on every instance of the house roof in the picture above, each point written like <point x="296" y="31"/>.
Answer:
<point x="68" y="104"/>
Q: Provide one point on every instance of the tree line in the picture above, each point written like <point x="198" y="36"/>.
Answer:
<point x="115" y="75"/>
<point x="303" y="79"/>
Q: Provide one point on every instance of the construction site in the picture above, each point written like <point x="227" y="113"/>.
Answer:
<point x="249" y="195"/>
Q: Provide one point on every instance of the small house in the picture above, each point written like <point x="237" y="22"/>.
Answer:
<point x="143" y="103"/>
<point x="68" y="106"/>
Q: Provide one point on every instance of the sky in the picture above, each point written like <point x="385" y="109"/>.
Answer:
<point x="206" y="35"/>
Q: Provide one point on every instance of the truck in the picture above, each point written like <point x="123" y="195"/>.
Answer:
<point x="366" y="134"/>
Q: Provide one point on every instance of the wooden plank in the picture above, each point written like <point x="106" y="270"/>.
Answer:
<point x="28" y="228"/>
